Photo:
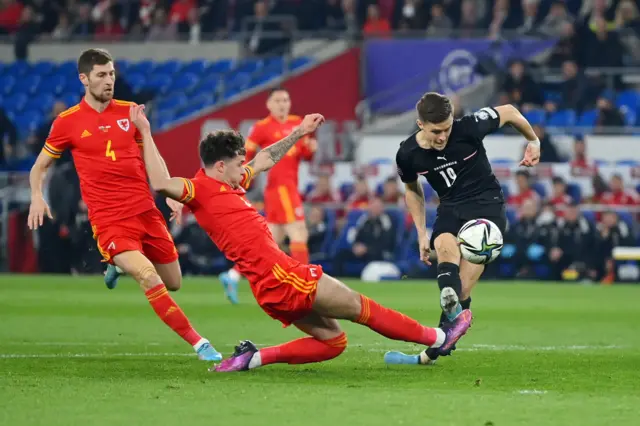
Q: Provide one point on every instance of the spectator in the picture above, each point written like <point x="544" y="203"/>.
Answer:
<point x="612" y="233"/>
<point x="548" y="151"/>
<point x="440" y="24"/>
<point x="520" y="88"/>
<point x="334" y="16"/>
<point x="573" y="89"/>
<point x="8" y="137"/>
<point x="161" y="29"/>
<point x="391" y="193"/>
<point x="63" y="29"/>
<point x="618" y="195"/>
<point x="470" y="20"/>
<point x="628" y="25"/>
<point x="83" y="25"/>
<point x="559" y="198"/>
<point x="351" y="21"/>
<point x="608" y="114"/>
<point x="109" y="28"/>
<point x="600" y="188"/>
<point x="317" y="227"/>
<point x="568" y="48"/>
<point x="527" y="240"/>
<point x="375" y="24"/>
<point x="27" y="32"/>
<point x="10" y="13"/>
<point x="525" y="192"/>
<point x="580" y="164"/>
<point x="361" y="194"/>
<point x="260" y="43"/>
<point x="571" y="245"/>
<point x="322" y="193"/>
<point x="557" y="21"/>
<point x="85" y="259"/>
<point x="604" y="47"/>
<point x="409" y="15"/>
<point x="531" y="16"/>
<point x="373" y="238"/>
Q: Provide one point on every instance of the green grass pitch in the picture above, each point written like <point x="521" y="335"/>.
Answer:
<point x="74" y="353"/>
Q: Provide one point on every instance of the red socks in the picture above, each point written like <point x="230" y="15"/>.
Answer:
<point x="394" y="325"/>
<point x="300" y="252"/>
<point x="169" y="312"/>
<point x="303" y="351"/>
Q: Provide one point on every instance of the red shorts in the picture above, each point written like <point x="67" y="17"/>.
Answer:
<point x="146" y="233"/>
<point x="287" y="294"/>
<point x="283" y="205"/>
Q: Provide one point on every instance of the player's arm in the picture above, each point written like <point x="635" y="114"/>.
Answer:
<point x="54" y="146"/>
<point x="510" y="115"/>
<point x="414" y="194"/>
<point x="268" y="157"/>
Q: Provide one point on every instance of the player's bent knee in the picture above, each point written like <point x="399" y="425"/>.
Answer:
<point x="147" y="277"/>
<point x="173" y="285"/>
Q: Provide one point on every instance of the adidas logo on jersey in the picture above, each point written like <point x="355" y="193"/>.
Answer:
<point x="85" y="134"/>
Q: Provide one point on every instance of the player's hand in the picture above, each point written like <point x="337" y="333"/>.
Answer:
<point x="531" y="155"/>
<point x="139" y="118"/>
<point x="425" y="249"/>
<point x="311" y="122"/>
<point x="176" y="210"/>
<point x="37" y="211"/>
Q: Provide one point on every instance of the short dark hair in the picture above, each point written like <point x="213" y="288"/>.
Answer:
<point x="558" y="180"/>
<point x="275" y="90"/>
<point x="434" y="108"/>
<point x="221" y="145"/>
<point x="92" y="57"/>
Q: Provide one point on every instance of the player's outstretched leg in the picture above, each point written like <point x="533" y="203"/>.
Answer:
<point x="230" y="280"/>
<point x="141" y="269"/>
<point x="111" y="276"/>
<point x="335" y="300"/>
<point x="327" y="342"/>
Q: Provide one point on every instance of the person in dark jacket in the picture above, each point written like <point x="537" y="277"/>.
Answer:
<point x="611" y="233"/>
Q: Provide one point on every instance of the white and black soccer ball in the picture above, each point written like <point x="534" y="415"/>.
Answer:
<point x="480" y="241"/>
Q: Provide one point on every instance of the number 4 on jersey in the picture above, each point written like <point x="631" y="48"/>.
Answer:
<point x="110" y="153"/>
<point x="449" y="177"/>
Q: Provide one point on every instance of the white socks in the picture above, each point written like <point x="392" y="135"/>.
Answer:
<point x="234" y="275"/>
<point x="440" y="338"/>
<point x="256" y="361"/>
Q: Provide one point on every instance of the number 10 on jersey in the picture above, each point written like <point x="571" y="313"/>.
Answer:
<point x="449" y="177"/>
<point x="110" y="153"/>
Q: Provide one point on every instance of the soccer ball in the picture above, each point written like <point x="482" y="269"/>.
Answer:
<point x="480" y="241"/>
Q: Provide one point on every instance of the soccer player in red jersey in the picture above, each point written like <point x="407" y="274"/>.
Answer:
<point x="283" y="204"/>
<point x="129" y="230"/>
<point x="286" y="289"/>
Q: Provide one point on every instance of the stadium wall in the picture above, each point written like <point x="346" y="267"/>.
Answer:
<point x="331" y="88"/>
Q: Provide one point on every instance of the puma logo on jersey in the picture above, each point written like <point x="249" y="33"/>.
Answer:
<point x="443" y="158"/>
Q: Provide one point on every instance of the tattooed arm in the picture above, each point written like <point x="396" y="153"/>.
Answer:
<point x="268" y="157"/>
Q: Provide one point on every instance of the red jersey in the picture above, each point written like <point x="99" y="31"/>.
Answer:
<point x="621" y="198"/>
<point x="269" y="131"/>
<point x="519" y="199"/>
<point x="234" y="225"/>
<point x="106" y="152"/>
<point x="560" y="203"/>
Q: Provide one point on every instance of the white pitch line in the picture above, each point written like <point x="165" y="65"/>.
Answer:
<point x="531" y="392"/>
<point x="97" y="355"/>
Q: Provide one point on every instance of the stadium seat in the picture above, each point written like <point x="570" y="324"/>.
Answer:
<point x="536" y="117"/>
<point x="17" y="69"/>
<point x="588" y="118"/>
<point x="170" y="67"/>
<point x="143" y="67"/>
<point x="43" y="68"/>
<point x="299" y="62"/>
<point x="590" y="215"/>
<point x="346" y="189"/>
<point x="184" y="82"/>
<point x="136" y="81"/>
<point x="626" y="217"/>
<point x="221" y="66"/>
<point x="631" y="163"/>
<point x="68" y="69"/>
<point x="70" y="99"/>
<point x="552" y="96"/>
<point x="629" y="98"/>
<point x="28" y="84"/>
<point x="512" y="215"/>
<point x="563" y="118"/>
<point x="197" y="66"/>
<point x="42" y="103"/>
<point x="173" y="102"/>
<point x="574" y="191"/>
<point x="159" y="83"/>
<point x="16" y="102"/>
<point x="629" y="115"/>
<point x="55" y="84"/>
<point x="248" y="65"/>
<point x="540" y="189"/>
<point x="7" y="82"/>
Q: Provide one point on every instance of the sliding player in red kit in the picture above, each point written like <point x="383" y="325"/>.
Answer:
<point x="129" y="230"/>
<point x="283" y="205"/>
<point x="286" y="289"/>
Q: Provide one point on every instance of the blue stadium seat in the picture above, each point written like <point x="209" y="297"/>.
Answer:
<point x="28" y="122"/>
<point x="70" y="99"/>
<point x="299" y="62"/>
<point x="588" y="118"/>
<point x="629" y="115"/>
<point x="16" y="102"/>
<point x="274" y="64"/>
<point x="136" y="81"/>
<point x="42" y="103"/>
<point x="209" y="84"/>
<point x="263" y="78"/>
<point x="221" y="66"/>
<point x="552" y="96"/>
<point x="601" y="163"/>
<point x="68" y="69"/>
<point x="249" y="65"/>
<point x="563" y="118"/>
<point x="7" y="82"/>
<point x="197" y="66"/>
<point x="17" y="68"/>
<point x="74" y="86"/>
<point x="158" y="83"/>
<point x="512" y="215"/>
<point x="574" y="191"/>
<point x="237" y="81"/>
<point x="202" y="101"/>
<point x="346" y="189"/>
<point x="162" y="119"/>
<point x="536" y="117"/>
<point x="122" y="66"/>
<point x="173" y="102"/>
<point x="540" y="189"/>
<point x="626" y="217"/>
<point x="505" y="191"/>
<point x="184" y="82"/>
<point x="169" y="67"/>
<point x="629" y="98"/>
<point x="143" y="67"/>
<point x="55" y="84"/>
<point x="43" y="68"/>
<point x="590" y="215"/>
<point x="28" y="84"/>
<point x="631" y="163"/>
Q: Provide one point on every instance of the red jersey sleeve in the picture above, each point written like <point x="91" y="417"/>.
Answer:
<point x="188" y="193"/>
<point x="58" y="139"/>
<point x="254" y="141"/>
<point x="307" y="150"/>
<point x="247" y="177"/>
